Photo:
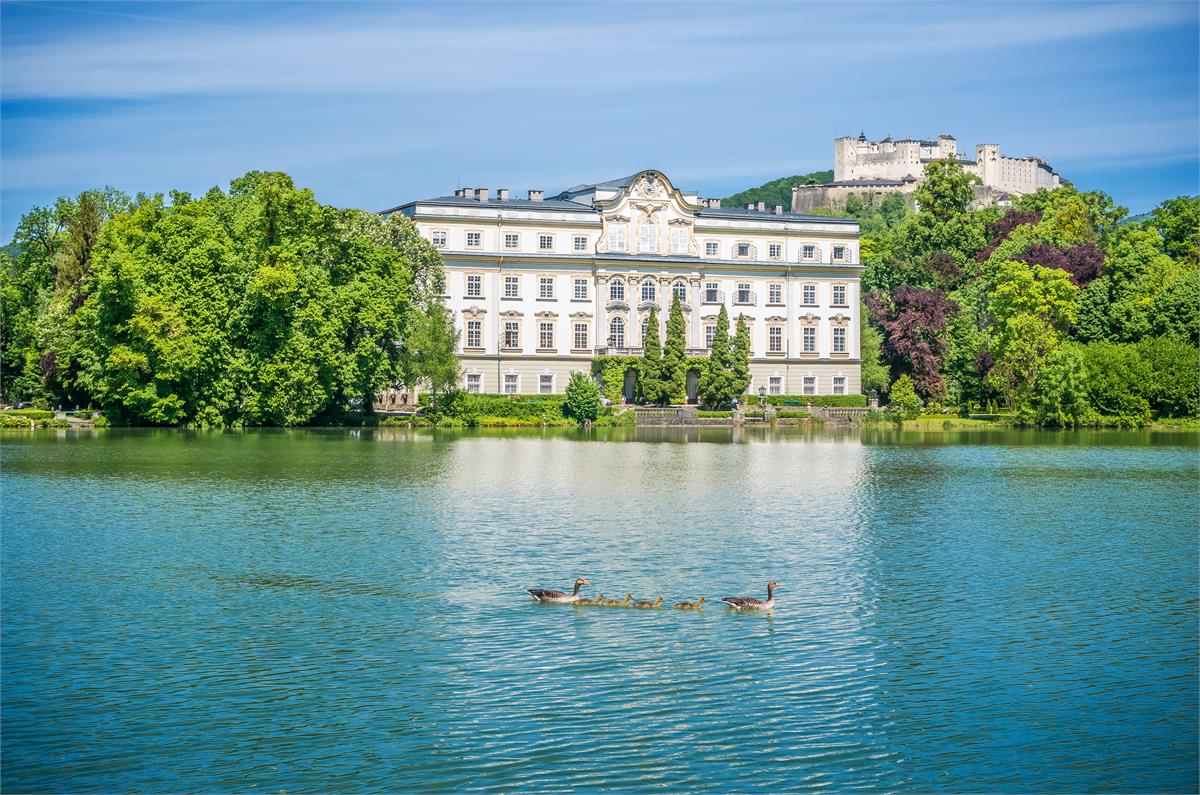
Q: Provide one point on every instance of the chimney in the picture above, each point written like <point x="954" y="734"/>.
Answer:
<point x="481" y="194"/>
<point x="749" y="205"/>
<point x="714" y="203"/>
<point x="502" y="194"/>
<point x="535" y="195"/>
<point x="779" y="209"/>
<point x="468" y="193"/>
<point x="762" y="207"/>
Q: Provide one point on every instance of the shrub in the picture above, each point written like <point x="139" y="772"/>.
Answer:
<point x="903" y="397"/>
<point x="791" y="415"/>
<point x="28" y="414"/>
<point x="582" y="399"/>
<point x="714" y="415"/>
<point x="1172" y="390"/>
<point x="1117" y="380"/>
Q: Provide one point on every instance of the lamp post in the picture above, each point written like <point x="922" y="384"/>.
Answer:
<point x="762" y="398"/>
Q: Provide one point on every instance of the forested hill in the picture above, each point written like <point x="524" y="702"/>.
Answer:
<point x="777" y="191"/>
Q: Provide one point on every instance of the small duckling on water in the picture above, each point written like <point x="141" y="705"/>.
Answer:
<point x="690" y="605"/>
<point x="645" y="605"/>
<point x="618" y="602"/>
<point x="599" y="600"/>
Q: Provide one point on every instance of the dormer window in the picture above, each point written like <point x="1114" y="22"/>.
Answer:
<point x="679" y="240"/>
<point x="647" y="237"/>
<point x="616" y="237"/>
<point x="743" y="249"/>
<point x="810" y="251"/>
<point x="839" y="252"/>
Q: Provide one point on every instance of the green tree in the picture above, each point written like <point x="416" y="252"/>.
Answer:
<point x="739" y="360"/>
<point x="1173" y="389"/>
<point x="903" y="398"/>
<point x="874" y="372"/>
<point x="1060" y="397"/>
<point x="428" y="352"/>
<point x="1117" y="380"/>
<point x="1178" y="222"/>
<point x="777" y="191"/>
<point x="673" y="373"/>
<point x="582" y="398"/>
<point x="946" y="191"/>
<point x="650" y="373"/>
<point x="716" y="385"/>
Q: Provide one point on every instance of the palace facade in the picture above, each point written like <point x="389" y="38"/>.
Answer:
<point x="540" y="286"/>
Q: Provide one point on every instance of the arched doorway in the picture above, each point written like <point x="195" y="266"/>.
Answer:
<point x="693" y="385"/>
<point x="630" y="388"/>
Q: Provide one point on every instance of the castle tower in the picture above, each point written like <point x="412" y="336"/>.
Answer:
<point x="845" y="157"/>
<point x="987" y="158"/>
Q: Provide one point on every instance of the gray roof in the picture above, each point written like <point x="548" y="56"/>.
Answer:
<point x="767" y="215"/>
<point x="516" y="204"/>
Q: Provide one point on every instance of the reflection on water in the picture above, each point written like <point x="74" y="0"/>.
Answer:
<point x="334" y="610"/>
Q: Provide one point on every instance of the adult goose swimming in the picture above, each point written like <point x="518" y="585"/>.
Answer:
<point x="558" y="597"/>
<point x="750" y="603"/>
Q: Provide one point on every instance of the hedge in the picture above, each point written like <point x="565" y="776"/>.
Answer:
<point x="714" y="415"/>
<point x="29" y="414"/>
<point x="791" y="415"/>
<point x="852" y="401"/>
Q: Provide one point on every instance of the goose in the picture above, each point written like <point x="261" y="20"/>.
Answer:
<point x="619" y="602"/>
<point x="599" y="600"/>
<point x="645" y="605"/>
<point x="750" y="603"/>
<point x="690" y="605"/>
<point x="558" y="597"/>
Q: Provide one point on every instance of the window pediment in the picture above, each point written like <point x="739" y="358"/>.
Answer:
<point x="810" y="319"/>
<point x="512" y="313"/>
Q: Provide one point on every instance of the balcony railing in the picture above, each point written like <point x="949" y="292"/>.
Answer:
<point x="745" y="297"/>
<point x="714" y="296"/>
<point x="611" y="351"/>
<point x="697" y="353"/>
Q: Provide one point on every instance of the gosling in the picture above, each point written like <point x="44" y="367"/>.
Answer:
<point x="648" y="605"/>
<point x="618" y="602"/>
<point x="690" y="605"/>
<point x="599" y="600"/>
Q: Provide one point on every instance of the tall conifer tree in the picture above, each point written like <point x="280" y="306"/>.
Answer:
<point x="650" y="376"/>
<point x="674" y="361"/>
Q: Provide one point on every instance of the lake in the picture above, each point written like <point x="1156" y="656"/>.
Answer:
<point x="344" y="611"/>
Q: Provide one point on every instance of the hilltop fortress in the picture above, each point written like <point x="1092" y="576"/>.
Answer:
<point x="873" y="168"/>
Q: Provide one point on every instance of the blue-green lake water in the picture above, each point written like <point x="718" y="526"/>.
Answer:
<point x="343" y="611"/>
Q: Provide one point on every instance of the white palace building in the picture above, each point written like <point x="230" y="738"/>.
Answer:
<point x="539" y="287"/>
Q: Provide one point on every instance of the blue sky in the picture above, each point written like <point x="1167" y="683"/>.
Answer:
<point x="375" y="104"/>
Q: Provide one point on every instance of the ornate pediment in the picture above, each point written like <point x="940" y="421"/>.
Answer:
<point x="810" y="319"/>
<point x="474" y="311"/>
<point x="840" y="320"/>
<point x="648" y="186"/>
<point x="546" y="314"/>
<point x="512" y="313"/>
<point x="581" y="315"/>
<point x="776" y="319"/>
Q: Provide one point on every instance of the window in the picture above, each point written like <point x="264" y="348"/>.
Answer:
<point x="839" y="385"/>
<point x="512" y="334"/>
<point x="616" y="290"/>
<point x="679" y="290"/>
<point x="645" y="326"/>
<point x="512" y="286"/>
<point x="474" y="239"/>
<point x="712" y="295"/>
<point x="839" y="295"/>
<point x="510" y="383"/>
<point x="474" y="285"/>
<point x="438" y="238"/>
<point x="743" y="249"/>
<point x="581" y="290"/>
<point x="775" y="293"/>
<point x="512" y="240"/>
<point x="616" y="237"/>
<point x="474" y="334"/>
<point x="709" y="333"/>
<point x="839" y="252"/>
<point x="839" y="340"/>
<point x="810" y="252"/>
<point x="647" y="236"/>
<point x="810" y="295"/>
<point x="545" y="242"/>
<point x="775" y="339"/>
<point x="545" y="384"/>
<point x="744" y="296"/>
<point x="711" y="248"/>
<point x="810" y="339"/>
<point x="775" y="385"/>
<point x="581" y="336"/>
<point x="474" y="382"/>
<point x="648" y="289"/>
<point x="616" y="332"/>
<point x="580" y="243"/>
<point x="679" y="240"/>
<point x="545" y="335"/>
<point x="545" y="287"/>
<point x="775" y="251"/>
<point x="810" y="385"/>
